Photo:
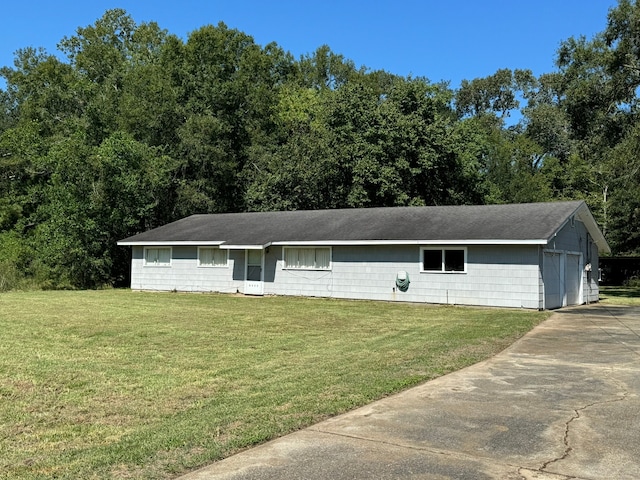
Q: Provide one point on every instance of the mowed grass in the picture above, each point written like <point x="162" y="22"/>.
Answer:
<point x="117" y="384"/>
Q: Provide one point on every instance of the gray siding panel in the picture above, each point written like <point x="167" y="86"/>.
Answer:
<point x="569" y="238"/>
<point x="498" y="276"/>
<point x="591" y="287"/>
<point x="575" y="238"/>
<point x="507" y="276"/>
<point x="184" y="273"/>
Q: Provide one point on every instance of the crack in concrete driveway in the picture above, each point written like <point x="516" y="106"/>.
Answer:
<point x="567" y="432"/>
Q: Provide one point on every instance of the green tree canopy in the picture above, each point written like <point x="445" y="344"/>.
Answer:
<point x="132" y="127"/>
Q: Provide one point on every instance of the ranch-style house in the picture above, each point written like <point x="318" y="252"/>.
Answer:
<point x="535" y="255"/>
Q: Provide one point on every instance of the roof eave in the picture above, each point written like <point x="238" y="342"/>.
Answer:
<point x="169" y="243"/>
<point x="294" y="243"/>
<point x="411" y="242"/>
<point x="246" y="247"/>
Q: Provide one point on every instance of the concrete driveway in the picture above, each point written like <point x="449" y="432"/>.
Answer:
<point x="562" y="402"/>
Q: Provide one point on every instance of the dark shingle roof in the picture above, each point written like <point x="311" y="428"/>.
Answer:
<point x="500" y="223"/>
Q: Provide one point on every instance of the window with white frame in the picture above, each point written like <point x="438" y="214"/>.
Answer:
<point x="307" y="258"/>
<point x="157" y="256"/>
<point x="212" y="257"/>
<point x="444" y="259"/>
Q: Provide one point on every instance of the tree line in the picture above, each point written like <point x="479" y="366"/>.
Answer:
<point x="131" y="127"/>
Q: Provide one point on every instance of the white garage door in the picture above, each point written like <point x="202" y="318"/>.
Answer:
<point x="553" y="288"/>
<point x="574" y="278"/>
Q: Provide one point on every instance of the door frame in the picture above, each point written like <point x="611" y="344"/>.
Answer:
<point x="253" y="287"/>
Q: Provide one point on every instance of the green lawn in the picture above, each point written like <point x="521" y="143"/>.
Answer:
<point x="620" y="295"/>
<point x="116" y="384"/>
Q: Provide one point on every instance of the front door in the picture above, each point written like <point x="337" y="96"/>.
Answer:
<point x="254" y="283"/>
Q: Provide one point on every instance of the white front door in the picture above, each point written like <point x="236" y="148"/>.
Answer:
<point x="254" y="277"/>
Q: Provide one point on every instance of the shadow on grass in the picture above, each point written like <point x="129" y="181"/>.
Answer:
<point x="628" y="292"/>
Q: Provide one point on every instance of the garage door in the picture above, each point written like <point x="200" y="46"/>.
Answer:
<point x="573" y="279"/>
<point x="553" y="288"/>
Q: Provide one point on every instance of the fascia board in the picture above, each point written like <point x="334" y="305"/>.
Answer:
<point x="412" y="242"/>
<point x="187" y="243"/>
<point x="245" y="247"/>
<point x="222" y="245"/>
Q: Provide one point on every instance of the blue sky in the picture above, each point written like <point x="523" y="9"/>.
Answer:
<point x="447" y="40"/>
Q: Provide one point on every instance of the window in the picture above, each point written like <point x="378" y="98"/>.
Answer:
<point x="307" y="258"/>
<point x="212" y="257"/>
<point x="432" y="260"/>
<point x="444" y="259"/>
<point x="157" y="256"/>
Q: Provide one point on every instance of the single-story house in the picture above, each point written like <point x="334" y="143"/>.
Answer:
<point x="535" y="255"/>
